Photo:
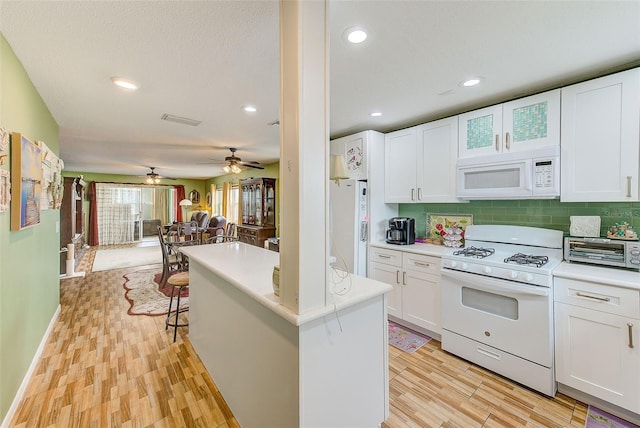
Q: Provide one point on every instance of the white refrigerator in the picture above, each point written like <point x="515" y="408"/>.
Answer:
<point x="349" y="225"/>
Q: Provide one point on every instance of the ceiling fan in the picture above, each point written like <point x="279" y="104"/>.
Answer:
<point x="153" y="177"/>
<point x="233" y="163"/>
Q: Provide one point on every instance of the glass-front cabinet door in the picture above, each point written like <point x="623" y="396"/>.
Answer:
<point x="532" y="122"/>
<point x="480" y="132"/>
<point x="259" y="201"/>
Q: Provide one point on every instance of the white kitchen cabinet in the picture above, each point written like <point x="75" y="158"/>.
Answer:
<point x="597" y="340"/>
<point x="600" y="158"/>
<point x="415" y="279"/>
<point x="523" y="124"/>
<point x="420" y="163"/>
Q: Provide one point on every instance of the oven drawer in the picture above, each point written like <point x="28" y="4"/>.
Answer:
<point x="388" y="257"/>
<point x="421" y="263"/>
<point x="597" y="296"/>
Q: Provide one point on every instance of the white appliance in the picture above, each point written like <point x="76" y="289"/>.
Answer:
<point x="516" y="175"/>
<point x="349" y="225"/>
<point x="497" y="301"/>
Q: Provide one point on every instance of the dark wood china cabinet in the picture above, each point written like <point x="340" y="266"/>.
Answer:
<point x="258" y="197"/>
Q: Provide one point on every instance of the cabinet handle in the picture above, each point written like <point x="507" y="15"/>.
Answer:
<point x="630" y="325"/>
<point x="384" y="256"/>
<point x="497" y="142"/>
<point x="404" y="278"/>
<point x="507" y="142"/>
<point x="419" y="193"/>
<point x="397" y="277"/>
<point x="422" y="264"/>
<point x="413" y="194"/>
<point x="602" y="299"/>
<point x="628" y="186"/>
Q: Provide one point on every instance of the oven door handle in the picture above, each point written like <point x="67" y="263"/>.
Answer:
<point x="495" y="284"/>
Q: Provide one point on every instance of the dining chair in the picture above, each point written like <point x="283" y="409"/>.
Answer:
<point x="170" y="262"/>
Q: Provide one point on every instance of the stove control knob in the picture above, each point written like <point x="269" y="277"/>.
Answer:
<point x="528" y="277"/>
<point x="465" y="266"/>
<point x="513" y="274"/>
<point x="453" y="264"/>
<point x="487" y="270"/>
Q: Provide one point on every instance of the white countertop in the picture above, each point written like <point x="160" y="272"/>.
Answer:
<point x="250" y="268"/>
<point x="610" y="276"/>
<point x="426" y="249"/>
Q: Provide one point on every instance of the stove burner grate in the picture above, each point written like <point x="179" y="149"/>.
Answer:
<point x="524" y="259"/>
<point x="478" y="253"/>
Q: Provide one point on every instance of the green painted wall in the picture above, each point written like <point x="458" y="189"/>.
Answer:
<point x="550" y="214"/>
<point x="29" y="259"/>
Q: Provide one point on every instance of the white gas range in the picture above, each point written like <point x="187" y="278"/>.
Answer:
<point x="497" y="301"/>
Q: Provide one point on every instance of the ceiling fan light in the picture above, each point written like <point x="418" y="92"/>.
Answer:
<point x="235" y="169"/>
<point x="226" y="169"/>
<point x="149" y="180"/>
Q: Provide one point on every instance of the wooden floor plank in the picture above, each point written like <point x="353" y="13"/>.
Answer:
<point x="102" y="367"/>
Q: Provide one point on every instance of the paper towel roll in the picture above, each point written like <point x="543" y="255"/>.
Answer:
<point x="70" y="253"/>
<point x="70" y="267"/>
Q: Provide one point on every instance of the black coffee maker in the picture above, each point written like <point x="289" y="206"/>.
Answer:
<point x="402" y="231"/>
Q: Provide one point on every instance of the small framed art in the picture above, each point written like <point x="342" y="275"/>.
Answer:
<point x="26" y="179"/>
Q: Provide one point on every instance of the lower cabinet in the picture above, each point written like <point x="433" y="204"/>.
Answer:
<point x="597" y="340"/>
<point x="255" y="235"/>
<point x="416" y="290"/>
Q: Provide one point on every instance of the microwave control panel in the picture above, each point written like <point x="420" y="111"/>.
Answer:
<point x="544" y="174"/>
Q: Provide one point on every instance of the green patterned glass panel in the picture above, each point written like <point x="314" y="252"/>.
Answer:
<point x="480" y="132"/>
<point x="530" y="122"/>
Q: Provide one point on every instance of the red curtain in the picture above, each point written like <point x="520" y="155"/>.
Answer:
<point x="93" y="215"/>
<point x="180" y="195"/>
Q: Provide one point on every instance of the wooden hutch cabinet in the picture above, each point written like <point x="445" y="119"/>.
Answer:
<point x="72" y="223"/>
<point x="258" y="197"/>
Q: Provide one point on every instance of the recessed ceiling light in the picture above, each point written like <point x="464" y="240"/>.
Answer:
<point x="124" y="83"/>
<point x="249" y="109"/>
<point x="356" y="35"/>
<point x="471" y="82"/>
<point x="375" y="114"/>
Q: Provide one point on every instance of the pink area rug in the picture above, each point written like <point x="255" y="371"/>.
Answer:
<point x="407" y="340"/>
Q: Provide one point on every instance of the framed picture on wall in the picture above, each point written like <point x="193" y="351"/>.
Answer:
<point x="26" y="179"/>
<point x="5" y="190"/>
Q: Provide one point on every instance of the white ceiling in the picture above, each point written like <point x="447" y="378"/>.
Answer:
<point x="204" y="60"/>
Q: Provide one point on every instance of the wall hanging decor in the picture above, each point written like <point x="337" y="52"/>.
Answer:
<point x="5" y="190"/>
<point x="4" y="144"/>
<point x="26" y="179"/>
<point x="51" y="195"/>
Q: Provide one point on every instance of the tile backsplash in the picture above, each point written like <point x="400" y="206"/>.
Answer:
<point x="547" y="213"/>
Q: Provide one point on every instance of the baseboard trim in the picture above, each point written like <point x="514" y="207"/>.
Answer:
<point x="32" y="367"/>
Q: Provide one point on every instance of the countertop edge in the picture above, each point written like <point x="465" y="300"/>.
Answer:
<point x="605" y="275"/>
<point x="419" y="248"/>
<point x="362" y="289"/>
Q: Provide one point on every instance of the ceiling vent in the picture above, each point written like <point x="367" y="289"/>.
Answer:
<point x="182" y="120"/>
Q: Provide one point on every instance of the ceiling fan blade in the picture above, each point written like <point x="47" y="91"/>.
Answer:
<point x="250" y="165"/>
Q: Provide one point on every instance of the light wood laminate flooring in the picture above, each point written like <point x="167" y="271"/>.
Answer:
<point x="104" y="368"/>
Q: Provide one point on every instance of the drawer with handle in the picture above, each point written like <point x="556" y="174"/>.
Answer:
<point x="388" y="257"/>
<point x="598" y="296"/>
<point x="421" y="263"/>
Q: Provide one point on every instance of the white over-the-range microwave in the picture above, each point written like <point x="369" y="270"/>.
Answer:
<point x="533" y="174"/>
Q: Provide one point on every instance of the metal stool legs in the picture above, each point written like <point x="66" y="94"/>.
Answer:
<point x="178" y="282"/>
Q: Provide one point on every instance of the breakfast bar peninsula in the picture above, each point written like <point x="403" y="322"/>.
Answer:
<point x="326" y="367"/>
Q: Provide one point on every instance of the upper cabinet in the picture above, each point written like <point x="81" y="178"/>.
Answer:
<point x="523" y="124"/>
<point x="600" y="158"/>
<point x="420" y="163"/>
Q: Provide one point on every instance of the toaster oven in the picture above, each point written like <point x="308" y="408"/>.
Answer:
<point x="603" y="251"/>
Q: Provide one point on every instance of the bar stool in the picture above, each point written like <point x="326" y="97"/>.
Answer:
<point x="177" y="281"/>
